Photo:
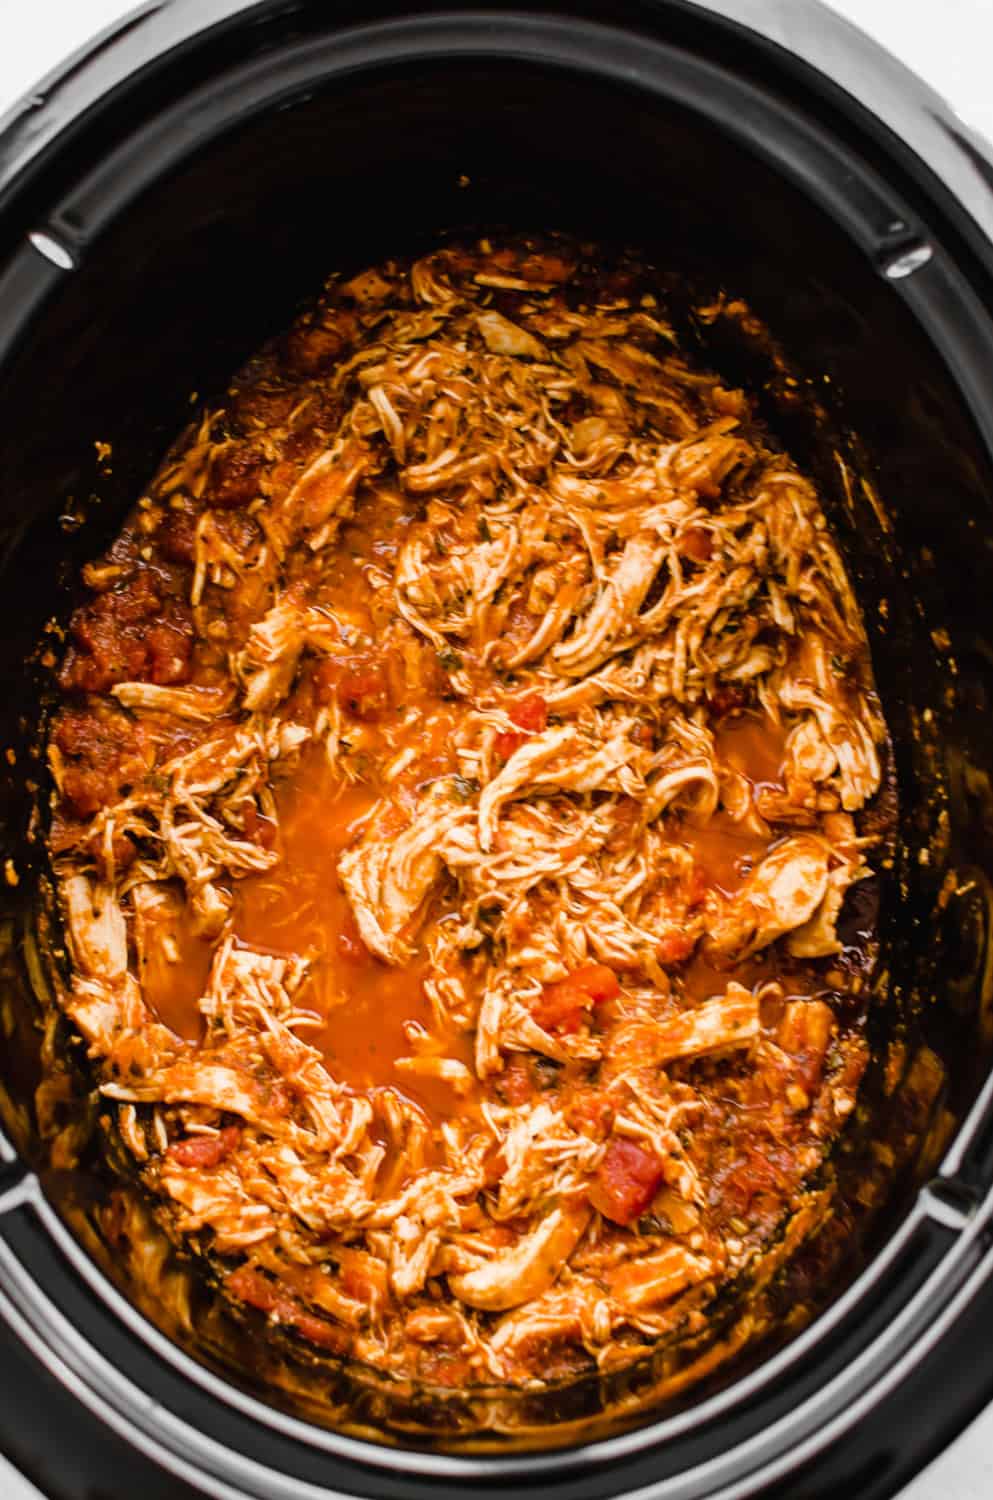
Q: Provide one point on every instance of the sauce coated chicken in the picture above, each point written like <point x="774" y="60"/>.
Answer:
<point x="457" y="787"/>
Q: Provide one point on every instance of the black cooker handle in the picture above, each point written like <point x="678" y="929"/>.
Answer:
<point x="914" y="1425"/>
<point x="61" y="1448"/>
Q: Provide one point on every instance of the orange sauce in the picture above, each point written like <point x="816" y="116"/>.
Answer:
<point x="368" y="1013"/>
<point x="726" y="849"/>
<point x="173" y="984"/>
<point x="702" y="980"/>
<point x="754" y="746"/>
<point x="372" y="539"/>
<point x="365" y="1008"/>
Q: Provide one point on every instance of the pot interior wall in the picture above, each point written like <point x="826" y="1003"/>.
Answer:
<point x="193" y="274"/>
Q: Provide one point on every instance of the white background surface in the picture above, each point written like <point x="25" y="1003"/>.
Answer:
<point x="949" y="42"/>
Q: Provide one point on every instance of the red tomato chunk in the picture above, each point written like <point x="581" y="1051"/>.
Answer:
<point x="530" y="714"/>
<point x="674" y="947"/>
<point x="599" y="982"/>
<point x="627" y="1180"/>
<point x="205" y="1150"/>
<point x="257" y="827"/>
<point x="561" y="1006"/>
<point x="360" y="684"/>
<point x="258" y="1291"/>
<point x="697" y="544"/>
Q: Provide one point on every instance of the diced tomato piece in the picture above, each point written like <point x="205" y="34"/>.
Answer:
<point x="205" y="1150"/>
<point x="250" y="1286"/>
<point x="365" y="692"/>
<point x="753" y="1176"/>
<point x="320" y="1331"/>
<point x="169" y="647"/>
<point x="360" y="684"/>
<point x="531" y="715"/>
<point x="697" y="544"/>
<point x="560" y="1006"/>
<point x="507" y="743"/>
<point x="626" y="1182"/>
<point x="177" y="536"/>
<point x="726" y="699"/>
<point x="257" y="827"/>
<point x="514" y="1084"/>
<point x="105" y="754"/>
<point x="235" y="476"/>
<point x="599" y="982"/>
<point x="674" y="947"/>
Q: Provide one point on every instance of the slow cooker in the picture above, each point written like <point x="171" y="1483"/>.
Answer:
<point x="167" y="201"/>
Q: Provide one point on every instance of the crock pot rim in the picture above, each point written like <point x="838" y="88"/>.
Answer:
<point x="457" y="1466"/>
<point x="173" y="1442"/>
<point x="835" y="50"/>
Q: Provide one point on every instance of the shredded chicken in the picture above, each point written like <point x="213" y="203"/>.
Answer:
<point x="456" y="799"/>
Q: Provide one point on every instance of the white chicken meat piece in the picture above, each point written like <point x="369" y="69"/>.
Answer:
<point x="688" y="773"/>
<point x="727" y="1022"/>
<point x="781" y="894"/>
<point x="523" y="769"/>
<point x="388" y="877"/>
<point x="818" y="937"/>
<point x="95" y="927"/>
<point x="213" y="1084"/>
<point x="199" y="704"/>
<point x="105" y="1009"/>
<point x="563" y="759"/>
<point x="501" y="336"/>
<point x="530" y="1267"/>
<point x="652" y="1279"/>
<point x="324" y="490"/>
<point x="614" y="615"/>
<point x="269" y="658"/>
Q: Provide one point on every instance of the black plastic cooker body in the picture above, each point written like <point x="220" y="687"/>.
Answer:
<point x="167" y="201"/>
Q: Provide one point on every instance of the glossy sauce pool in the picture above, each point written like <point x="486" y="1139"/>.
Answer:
<point x="369" y="1013"/>
<point x="367" y="1009"/>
